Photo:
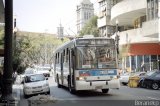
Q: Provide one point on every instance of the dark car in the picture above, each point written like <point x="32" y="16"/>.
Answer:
<point x="152" y="80"/>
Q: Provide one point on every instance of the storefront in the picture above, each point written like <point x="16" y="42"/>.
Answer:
<point x="142" y="57"/>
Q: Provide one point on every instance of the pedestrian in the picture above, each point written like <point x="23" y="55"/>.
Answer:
<point x="14" y="76"/>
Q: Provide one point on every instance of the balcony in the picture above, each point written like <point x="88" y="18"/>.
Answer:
<point x="147" y="34"/>
<point x="128" y="10"/>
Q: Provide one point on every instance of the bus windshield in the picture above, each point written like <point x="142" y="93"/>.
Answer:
<point x="96" y="57"/>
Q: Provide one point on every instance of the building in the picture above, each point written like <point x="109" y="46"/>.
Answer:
<point x="105" y="26"/>
<point x="138" y="28"/>
<point x="85" y="11"/>
<point x="60" y="31"/>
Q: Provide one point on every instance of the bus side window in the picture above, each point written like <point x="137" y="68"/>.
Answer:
<point x="72" y="52"/>
<point x="58" y="58"/>
<point x="64" y="55"/>
<point x="67" y="55"/>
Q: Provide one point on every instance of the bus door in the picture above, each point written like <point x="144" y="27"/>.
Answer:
<point x="61" y="68"/>
<point x="71" y="66"/>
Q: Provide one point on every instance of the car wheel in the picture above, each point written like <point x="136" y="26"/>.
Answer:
<point x="155" y="86"/>
<point x="105" y="90"/>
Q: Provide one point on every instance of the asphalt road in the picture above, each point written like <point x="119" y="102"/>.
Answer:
<point x="125" y="96"/>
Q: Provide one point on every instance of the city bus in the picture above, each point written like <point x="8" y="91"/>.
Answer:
<point x="87" y="64"/>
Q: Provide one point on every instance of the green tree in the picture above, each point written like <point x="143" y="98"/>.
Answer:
<point x="34" y="48"/>
<point x="90" y="27"/>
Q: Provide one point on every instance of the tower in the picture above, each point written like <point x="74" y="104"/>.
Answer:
<point x="85" y="11"/>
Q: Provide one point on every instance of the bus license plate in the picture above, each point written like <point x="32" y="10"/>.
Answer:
<point x="98" y="87"/>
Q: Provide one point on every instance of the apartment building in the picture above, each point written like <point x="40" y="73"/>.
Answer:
<point x="85" y="11"/>
<point x="138" y="29"/>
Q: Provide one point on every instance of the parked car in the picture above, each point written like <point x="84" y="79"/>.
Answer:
<point x="28" y="71"/>
<point x="43" y="70"/>
<point x="152" y="80"/>
<point x="35" y="84"/>
<point x="124" y="78"/>
<point x="139" y="74"/>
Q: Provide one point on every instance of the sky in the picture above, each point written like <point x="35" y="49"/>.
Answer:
<point x="45" y="15"/>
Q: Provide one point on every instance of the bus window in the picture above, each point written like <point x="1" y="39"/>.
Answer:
<point x="96" y="57"/>
<point x="67" y="55"/>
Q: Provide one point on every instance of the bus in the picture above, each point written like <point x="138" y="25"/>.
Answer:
<point x="87" y="64"/>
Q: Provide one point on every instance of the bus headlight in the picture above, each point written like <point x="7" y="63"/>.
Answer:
<point x="80" y="78"/>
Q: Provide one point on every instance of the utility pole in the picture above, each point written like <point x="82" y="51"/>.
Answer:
<point x="7" y="73"/>
<point x="117" y="42"/>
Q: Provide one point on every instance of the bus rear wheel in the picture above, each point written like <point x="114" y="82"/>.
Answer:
<point x="105" y="90"/>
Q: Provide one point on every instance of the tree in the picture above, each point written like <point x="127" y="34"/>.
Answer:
<point x="90" y="27"/>
<point x="34" y="48"/>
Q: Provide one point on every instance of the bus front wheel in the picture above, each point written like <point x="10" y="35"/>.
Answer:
<point x="105" y="90"/>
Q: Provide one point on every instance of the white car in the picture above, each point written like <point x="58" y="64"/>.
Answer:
<point x="35" y="84"/>
<point x="124" y="78"/>
<point x="43" y="70"/>
<point x="28" y="71"/>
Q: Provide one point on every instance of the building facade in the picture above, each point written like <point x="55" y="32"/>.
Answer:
<point x="85" y="11"/>
<point x="138" y="28"/>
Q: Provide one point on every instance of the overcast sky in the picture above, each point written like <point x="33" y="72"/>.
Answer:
<point x="45" y="15"/>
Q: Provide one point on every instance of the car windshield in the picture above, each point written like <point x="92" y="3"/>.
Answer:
<point x="96" y="57"/>
<point x="34" y="78"/>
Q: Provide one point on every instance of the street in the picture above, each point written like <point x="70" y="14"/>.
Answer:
<point x="124" y="96"/>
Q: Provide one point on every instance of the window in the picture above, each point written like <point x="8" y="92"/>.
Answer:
<point x="133" y="62"/>
<point x="146" y="62"/>
<point x="96" y="57"/>
<point x="154" y="64"/>
<point x="58" y="58"/>
<point x="67" y="55"/>
<point x="152" y="9"/>
<point x="139" y="62"/>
